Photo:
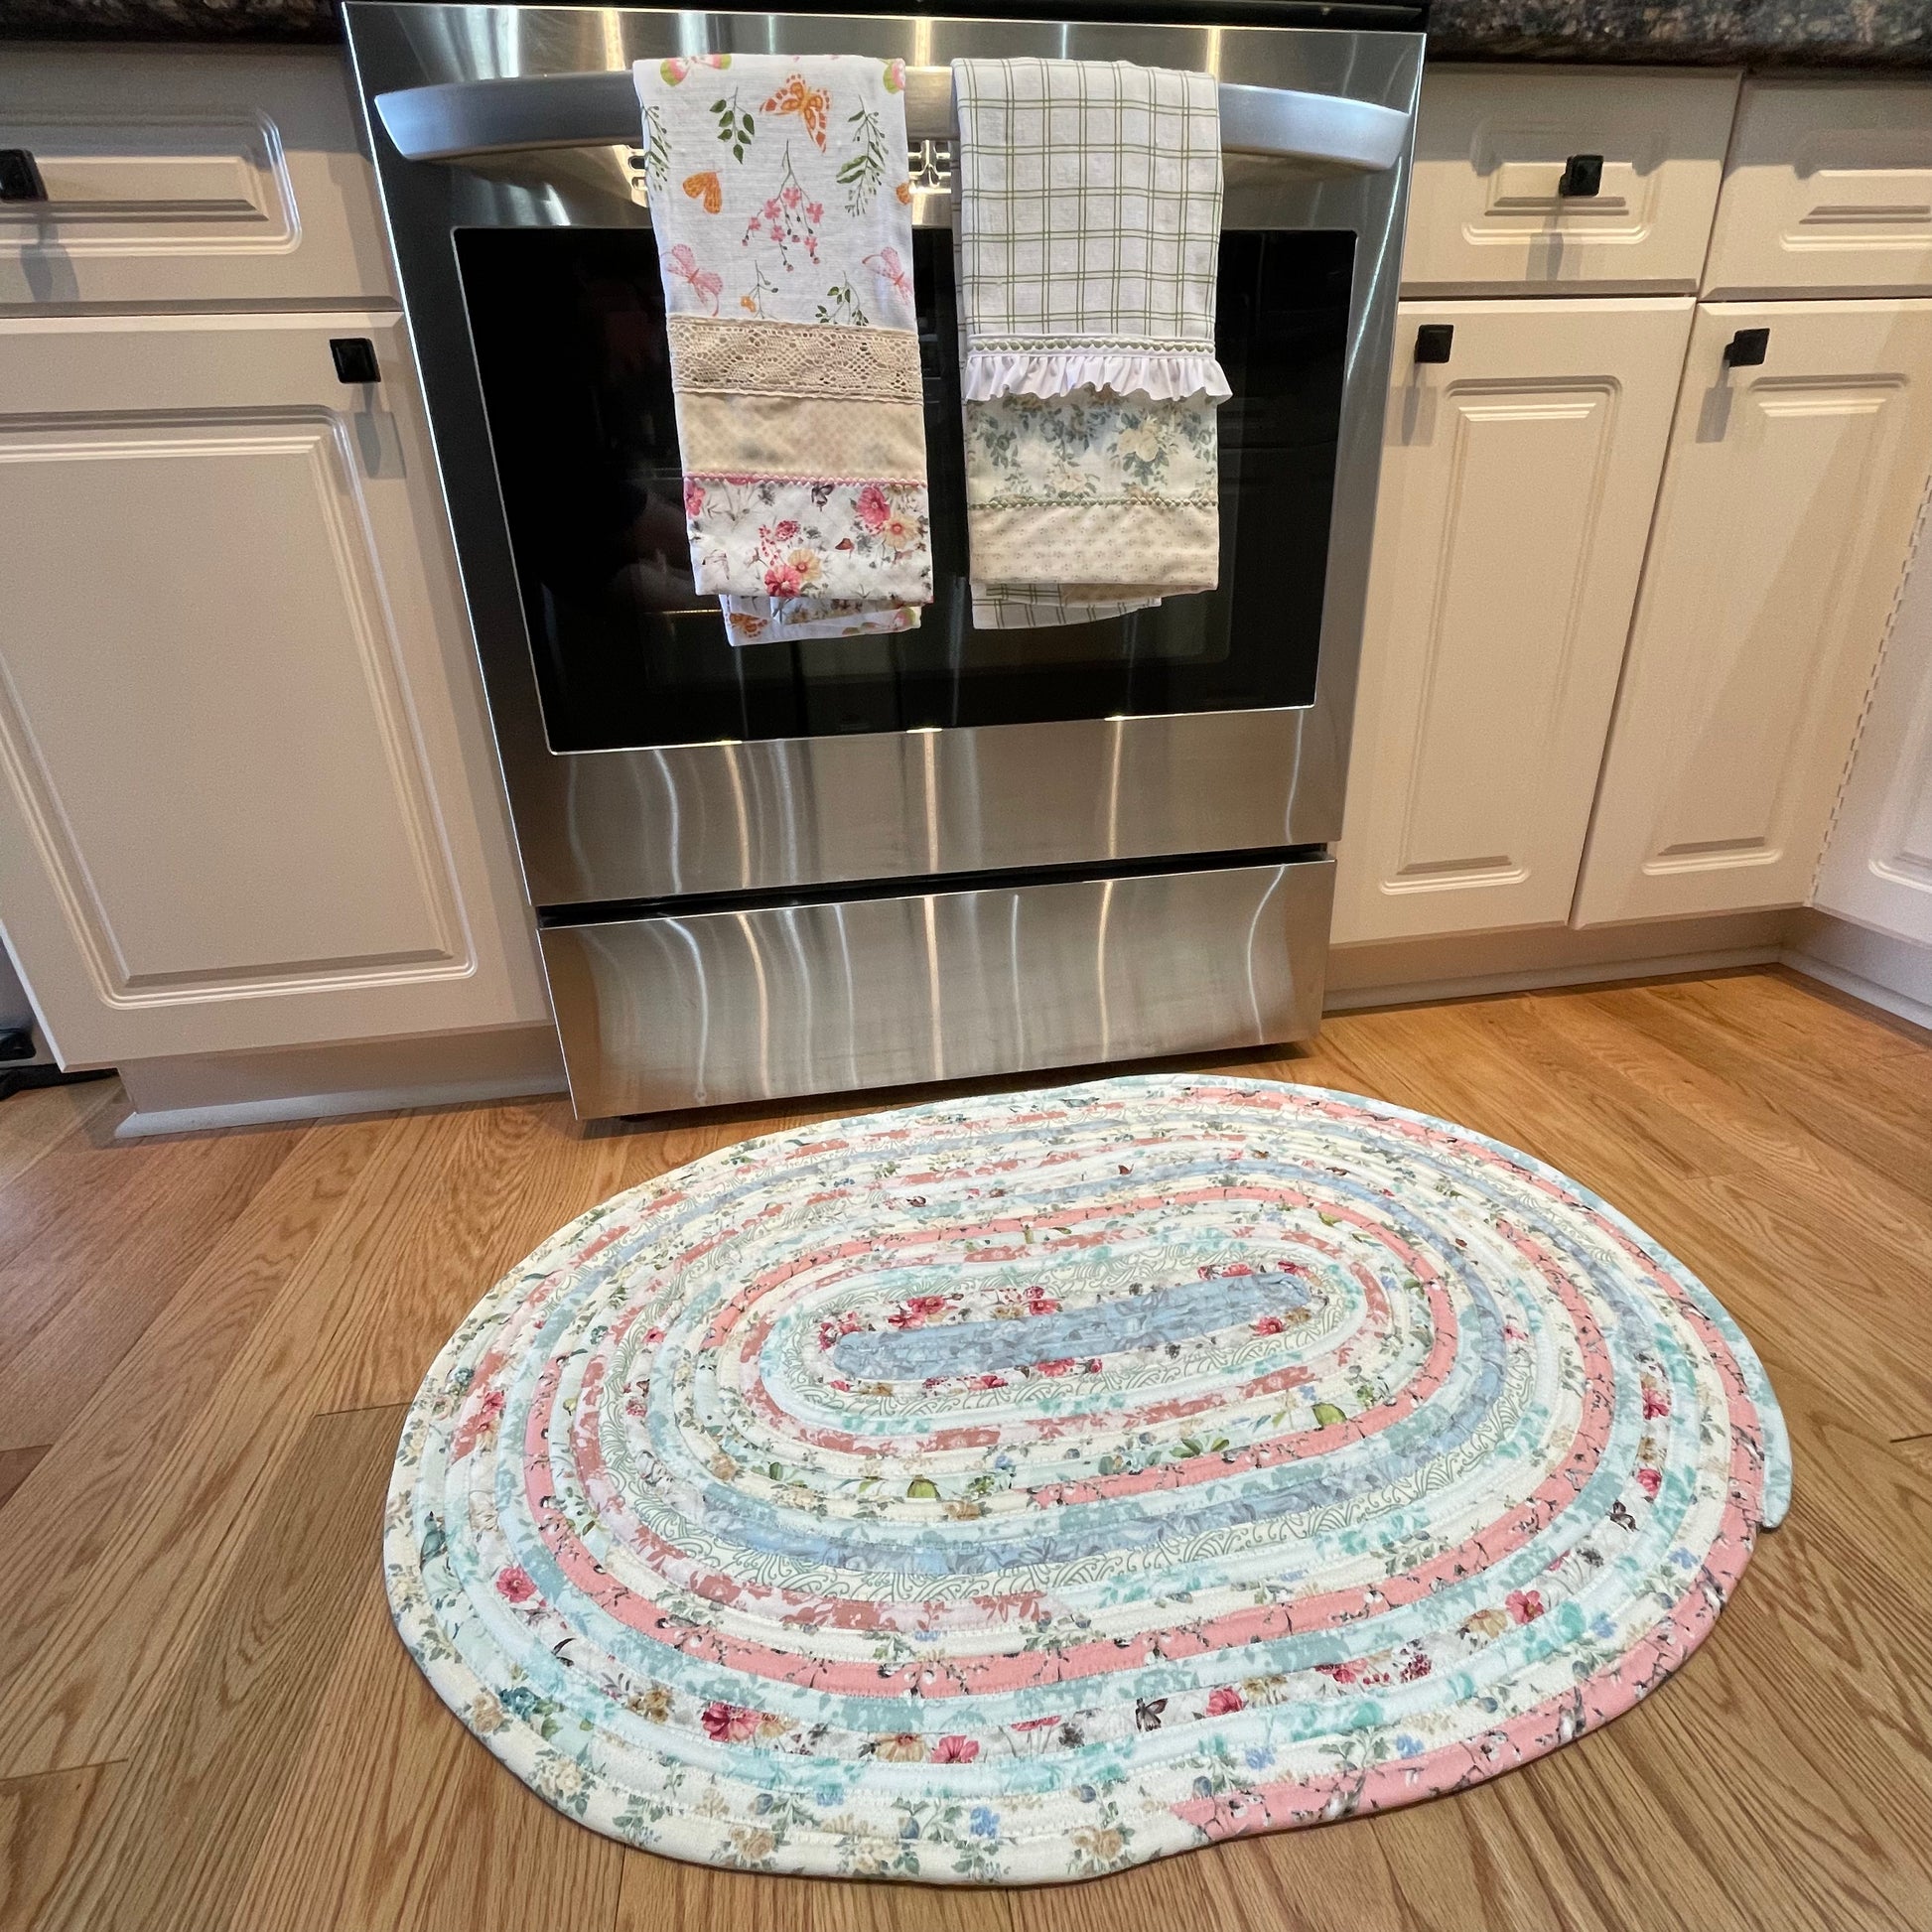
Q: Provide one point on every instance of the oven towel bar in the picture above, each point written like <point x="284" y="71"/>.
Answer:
<point x="468" y="119"/>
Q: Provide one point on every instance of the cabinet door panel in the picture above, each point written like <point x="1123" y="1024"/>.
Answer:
<point x="238" y="809"/>
<point x="1517" y="486"/>
<point x="1787" y="504"/>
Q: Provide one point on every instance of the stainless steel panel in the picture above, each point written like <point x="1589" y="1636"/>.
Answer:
<point x="467" y="120"/>
<point x="649" y="822"/>
<point x="732" y="1006"/>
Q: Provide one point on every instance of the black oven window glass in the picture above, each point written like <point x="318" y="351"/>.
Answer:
<point x="568" y="332"/>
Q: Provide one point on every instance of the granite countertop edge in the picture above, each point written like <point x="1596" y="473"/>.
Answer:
<point x="1880" y="34"/>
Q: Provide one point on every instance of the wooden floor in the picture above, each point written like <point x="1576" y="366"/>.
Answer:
<point x="205" y="1347"/>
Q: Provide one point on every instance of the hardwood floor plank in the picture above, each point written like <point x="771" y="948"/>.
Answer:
<point x="1248" y="1885"/>
<point x="1782" y="1819"/>
<point x="116" y="1478"/>
<point x="114" y="1232"/>
<point x="1916" y="1453"/>
<point x="1794" y="1212"/>
<point x="1673" y="1063"/>
<point x="485" y="1189"/>
<point x="1816" y="1033"/>
<point x="14" y="1467"/>
<point x="397" y="1819"/>
<point x="1906" y="1034"/>
<point x="37" y="1119"/>
<point x="180" y="1837"/>
<point x="100" y="1651"/>
<point x="44" y="1823"/>
<point x="1838" y="1104"/>
<point x="664" y="1895"/>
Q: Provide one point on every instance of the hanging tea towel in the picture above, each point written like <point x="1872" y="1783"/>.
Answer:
<point x="782" y="213"/>
<point x="1088" y="219"/>
<point x="1088" y="210"/>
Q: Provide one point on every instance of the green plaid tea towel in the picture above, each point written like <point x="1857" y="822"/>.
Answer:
<point x="1087" y="200"/>
<point x="1084" y="463"/>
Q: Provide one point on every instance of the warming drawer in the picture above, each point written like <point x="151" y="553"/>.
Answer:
<point x="820" y="995"/>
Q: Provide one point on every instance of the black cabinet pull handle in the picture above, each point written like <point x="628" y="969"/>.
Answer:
<point x="355" y="358"/>
<point x="1582" y="177"/>
<point x="1433" y="341"/>
<point x="19" y="178"/>
<point x="1746" y="349"/>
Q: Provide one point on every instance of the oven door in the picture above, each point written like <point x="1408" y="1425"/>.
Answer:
<point x="571" y="353"/>
<point x="645" y="758"/>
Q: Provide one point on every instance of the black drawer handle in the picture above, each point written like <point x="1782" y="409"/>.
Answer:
<point x="355" y="358"/>
<point x="1433" y="341"/>
<point x="19" y="178"/>
<point x="1582" y="177"/>
<point x="1747" y="348"/>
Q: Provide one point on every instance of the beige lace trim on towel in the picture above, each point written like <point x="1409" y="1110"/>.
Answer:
<point x="793" y="358"/>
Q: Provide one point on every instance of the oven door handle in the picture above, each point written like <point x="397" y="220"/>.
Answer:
<point x="465" y="120"/>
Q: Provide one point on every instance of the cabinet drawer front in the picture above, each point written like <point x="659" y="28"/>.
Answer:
<point x="206" y="178"/>
<point x="1788" y="502"/>
<point x="707" y="1009"/>
<point x="1829" y="187"/>
<point x="1491" y="152"/>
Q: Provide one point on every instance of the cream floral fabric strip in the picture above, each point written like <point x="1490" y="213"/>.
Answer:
<point x="783" y="214"/>
<point x="1087" y="203"/>
<point x="1085" y="489"/>
<point x="1086" y="506"/>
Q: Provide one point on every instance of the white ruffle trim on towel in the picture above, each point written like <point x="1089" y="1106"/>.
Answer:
<point x="1164" y="376"/>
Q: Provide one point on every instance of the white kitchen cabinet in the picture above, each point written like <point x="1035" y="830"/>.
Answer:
<point x="1828" y="188"/>
<point x="1878" y="867"/>
<point x="1788" y="502"/>
<point x="247" y="798"/>
<point x="1487" y="202"/>
<point x="1517" y="486"/>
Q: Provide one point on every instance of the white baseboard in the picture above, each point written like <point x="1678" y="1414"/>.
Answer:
<point x="1466" y="965"/>
<point x="196" y="1095"/>
<point x="1576" y="973"/>
<point x="323" y="1106"/>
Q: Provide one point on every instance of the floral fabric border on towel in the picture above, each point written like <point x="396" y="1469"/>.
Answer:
<point x="1065" y="488"/>
<point x="783" y="214"/>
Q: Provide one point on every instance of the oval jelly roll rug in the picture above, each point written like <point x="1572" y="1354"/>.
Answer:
<point x="1012" y="1489"/>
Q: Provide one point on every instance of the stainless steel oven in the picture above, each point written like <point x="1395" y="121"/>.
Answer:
<point x="849" y="862"/>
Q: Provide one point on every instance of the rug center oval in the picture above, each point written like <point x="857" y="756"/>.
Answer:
<point x="1018" y="1488"/>
<point x="918" y="1342"/>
